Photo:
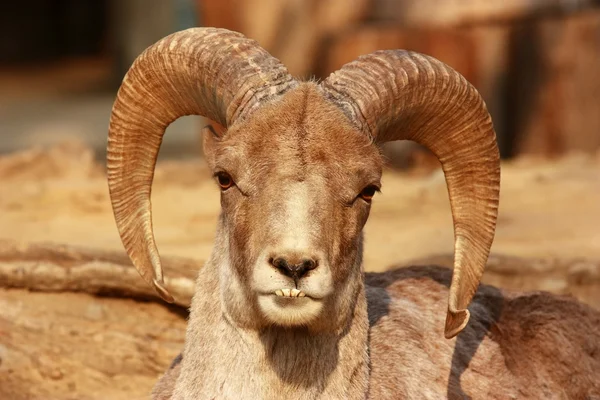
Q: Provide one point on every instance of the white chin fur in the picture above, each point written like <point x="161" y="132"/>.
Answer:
<point x="289" y="311"/>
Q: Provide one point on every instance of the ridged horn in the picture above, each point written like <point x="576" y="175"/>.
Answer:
<point x="396" y="94"/>
<point x="211" y="72"/>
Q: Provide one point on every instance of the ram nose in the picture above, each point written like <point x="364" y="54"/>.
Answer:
<point x="293" y="265"/>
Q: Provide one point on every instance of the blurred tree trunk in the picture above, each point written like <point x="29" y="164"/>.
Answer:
<point x="555" y="85"/>
<point x="452" y="13"/>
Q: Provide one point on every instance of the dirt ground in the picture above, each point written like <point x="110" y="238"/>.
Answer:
<point x="88" y="329"/>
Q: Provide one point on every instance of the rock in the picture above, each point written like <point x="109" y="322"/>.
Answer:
<point x="51" y="349"/>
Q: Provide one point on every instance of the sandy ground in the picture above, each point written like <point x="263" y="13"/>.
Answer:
<point x="80" y="346"/>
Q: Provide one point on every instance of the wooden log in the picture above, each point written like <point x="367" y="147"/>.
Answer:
<point x="61" y="268"/>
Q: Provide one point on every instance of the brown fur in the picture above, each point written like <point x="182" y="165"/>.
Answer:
<point x="163" y="390"/>
<point x="299" y="166"/>
<point x="526" y="345"/>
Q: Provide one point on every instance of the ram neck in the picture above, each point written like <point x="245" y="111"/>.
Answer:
<point x="223" y="361"/>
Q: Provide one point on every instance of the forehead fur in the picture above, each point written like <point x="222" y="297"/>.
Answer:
<point x="304" y="132"/>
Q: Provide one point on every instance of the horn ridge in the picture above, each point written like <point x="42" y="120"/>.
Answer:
<point x="212" y="72"/>
<point x="397" y="94"/>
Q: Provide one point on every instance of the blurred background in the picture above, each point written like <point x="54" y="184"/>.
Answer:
<point x="76" y="320"/>
<point x="536" y="62"/>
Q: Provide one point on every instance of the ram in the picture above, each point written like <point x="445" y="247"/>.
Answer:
<point x="283" y="308"/>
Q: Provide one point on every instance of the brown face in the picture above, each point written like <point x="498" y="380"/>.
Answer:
<point x="297" y="181"/>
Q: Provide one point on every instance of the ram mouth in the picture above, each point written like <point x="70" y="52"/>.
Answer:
<point x="289" y="293"/>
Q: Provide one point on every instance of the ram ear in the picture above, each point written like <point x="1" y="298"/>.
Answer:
<point x="211" y="136"/>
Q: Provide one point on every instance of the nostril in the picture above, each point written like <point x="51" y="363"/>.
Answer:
<point x="295" y="267"/>
<point x="308" y="264"/>
<point x="280" y="263"/>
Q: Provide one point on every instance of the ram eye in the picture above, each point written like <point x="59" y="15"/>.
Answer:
<point x="367" y="193"/>
<point x="224" y="180"/>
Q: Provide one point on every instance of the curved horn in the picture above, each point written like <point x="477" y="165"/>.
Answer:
<point x="393" y="95"/>
<point x="211" y="72"/>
